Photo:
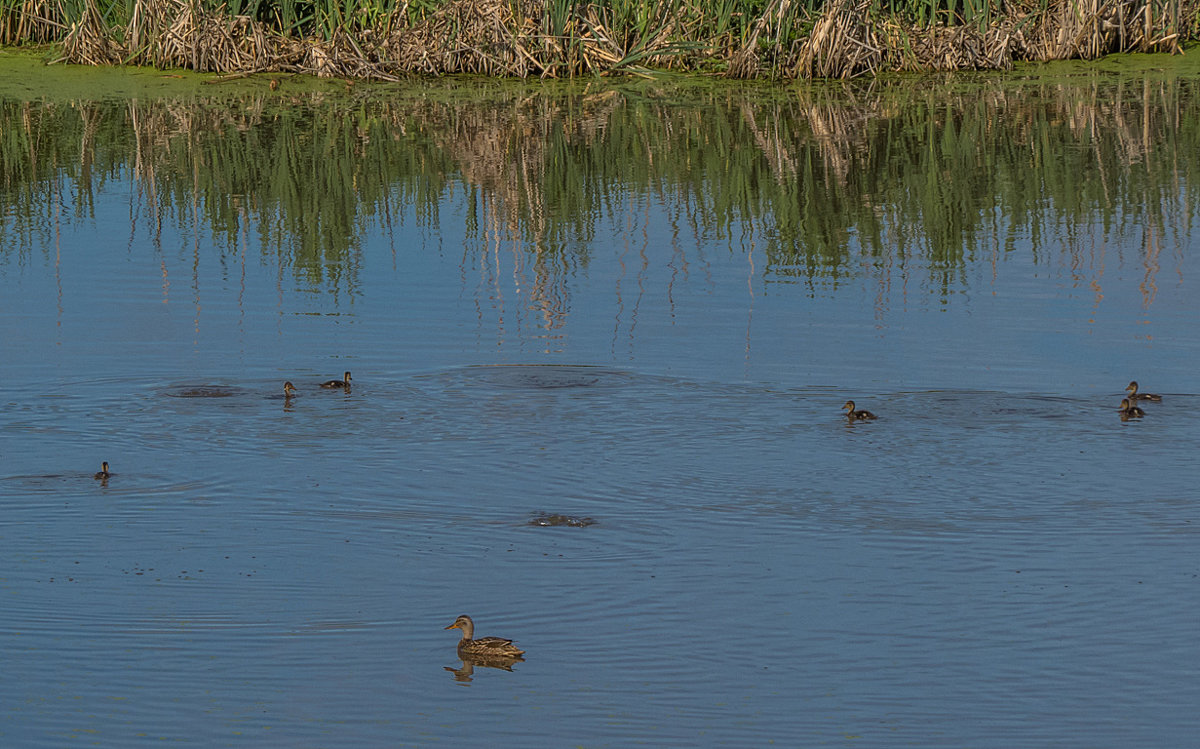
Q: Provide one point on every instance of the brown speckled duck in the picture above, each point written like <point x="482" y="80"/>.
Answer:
<point x="859" y="415"/>
<point x="288" y="389"/>
<point x="342" y="383"/>
<point x="1130" y="411"/>
<point x="1135" y="396"/>
<point x="484" y="646"/>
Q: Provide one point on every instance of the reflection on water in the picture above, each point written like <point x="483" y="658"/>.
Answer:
<point x="465" y="673"/>
<point x="918" y="189"/>
<point x="601" y="338"/>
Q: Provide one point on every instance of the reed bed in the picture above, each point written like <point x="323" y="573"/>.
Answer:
<point x="387" y="39"/>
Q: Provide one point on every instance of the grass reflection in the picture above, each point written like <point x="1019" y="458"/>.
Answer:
<point x="827" y="181"/>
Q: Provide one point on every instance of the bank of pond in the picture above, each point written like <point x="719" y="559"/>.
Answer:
<point x="567" y="38"/>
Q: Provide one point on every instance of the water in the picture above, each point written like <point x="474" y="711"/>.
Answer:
<point x="997" y="561"/>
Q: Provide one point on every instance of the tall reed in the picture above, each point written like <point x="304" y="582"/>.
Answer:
<point x="744" y="38"/>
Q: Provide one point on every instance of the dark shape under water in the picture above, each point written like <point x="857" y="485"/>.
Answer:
<point x="204" y="391"/>
<point x="555" y="520"/>
<point x="548" y="376"/>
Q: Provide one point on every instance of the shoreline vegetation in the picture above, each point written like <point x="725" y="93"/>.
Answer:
<point x="744" y="39"/>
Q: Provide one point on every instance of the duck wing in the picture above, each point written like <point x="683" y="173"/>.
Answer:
<point x="491" y="645"/>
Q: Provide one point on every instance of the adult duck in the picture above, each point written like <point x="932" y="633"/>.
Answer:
<point x="484" y="647"/>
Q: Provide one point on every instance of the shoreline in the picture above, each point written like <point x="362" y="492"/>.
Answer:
<point x="840" y="39"/>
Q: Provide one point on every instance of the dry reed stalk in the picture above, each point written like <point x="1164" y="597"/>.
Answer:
<point x="599" y="52"/>
<point x="843" y="43"/>
<point x="34" y="21"/>
<point x="205" y="42"/>
<point x="340" y="57"/>
<point x="502" y="38"/>
<point x="514" y="38"/>
<point x="469" y="36"/>
<point x="1088" y="29"/>
<point x="88" y="41"/>
<point x="943" y="48"/>
<point x="745" y="62"/>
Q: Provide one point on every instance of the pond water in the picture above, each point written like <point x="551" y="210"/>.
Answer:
<point x="599" y="337"/>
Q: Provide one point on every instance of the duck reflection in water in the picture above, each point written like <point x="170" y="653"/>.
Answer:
<point x="466" y="672"/>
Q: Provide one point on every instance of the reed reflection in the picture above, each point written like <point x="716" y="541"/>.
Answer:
<point x="905" y="184"/>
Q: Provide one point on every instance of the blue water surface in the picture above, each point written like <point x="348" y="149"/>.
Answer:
<point x="999" y="560"/>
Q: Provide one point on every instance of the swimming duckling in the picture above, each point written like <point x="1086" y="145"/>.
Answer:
<point x="1135" y="396"/>
<point x="852" y="415"/>
<point x="103" y="474"/>
<point x="288" y="389"/>
<point x="343" y="383"/>
<point x="1130" y="411"/>
<point x="484" y="646"/>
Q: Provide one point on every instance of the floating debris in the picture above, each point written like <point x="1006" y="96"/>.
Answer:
<point x="204" y="391"/>
<point x="569" y="521"/>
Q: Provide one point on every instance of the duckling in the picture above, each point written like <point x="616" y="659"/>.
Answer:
<point x="288" y="389"/>
<point x="343" y="383"/>
<point x="103" y="474"/>
<point x="1130" y="411"/>
<point x="1135" y="396"/>
<point x="484" y="646"/>
<point x="862" y="415"/>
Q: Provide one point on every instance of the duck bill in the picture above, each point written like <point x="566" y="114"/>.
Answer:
<point x="452" y="626"/>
